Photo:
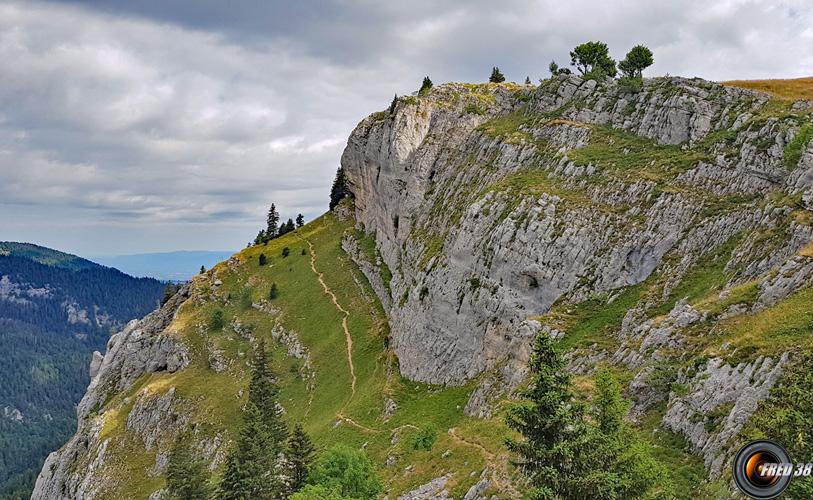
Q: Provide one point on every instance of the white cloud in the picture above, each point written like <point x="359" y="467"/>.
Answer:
<point x="134" y="130"/>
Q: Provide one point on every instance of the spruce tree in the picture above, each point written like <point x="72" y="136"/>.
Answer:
<point x="289" y="226"/>
<point x="549" y="420"/>
<point x="426" y="86"/>
<point x="272" y="221"/>
<point x="496" y="75"/>
<point x="568" y="455"/>
<point x="393" y="104"/>
<point x="300" y="457"/>
<point x="187" y="478"/>
<point x="202" y="269"/>
<point x="339" y="189"/>
<point x="527" y="80"/>
<point x="300" y="220"/>
<point x="253" y="467"/>
<point x="263" y="391"/>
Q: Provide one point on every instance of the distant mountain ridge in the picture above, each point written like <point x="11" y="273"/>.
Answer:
<point x="43" y="255"/>
<point x="168" y="266"/>
<point x="55" y="310"/>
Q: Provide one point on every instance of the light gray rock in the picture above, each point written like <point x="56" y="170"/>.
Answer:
<point x="145" y="346"/>
<point x="729" y="394"/>
<point x="95" y="363"/>
<point x="433" y="490"/>
<point x="464" y="283"/>
<point x="155" y="415"/>
<point x="477" y="490"/>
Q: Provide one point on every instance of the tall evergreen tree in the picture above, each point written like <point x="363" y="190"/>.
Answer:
<point x="253" y="467"/>
<point x="272" y="221"/>
<point x="187" y="478"/>
<point x="260" y="237"/>
<point x="339" y="189"/>
<point x="527" y="80"/>
<point x="549" y="420"/>
<point x="300" y="220"/>
<point x="202" y="269"/>
<point x="496" y="75"/>
<point x="393" y="104"/>
<point x="263" y="392"/>
<point x="300" y="457"/>
<point x="567" y="455"/>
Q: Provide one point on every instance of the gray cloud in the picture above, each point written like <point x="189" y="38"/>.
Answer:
<point x="153" y="125"/>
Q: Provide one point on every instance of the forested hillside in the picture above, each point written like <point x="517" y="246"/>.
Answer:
<point x="55" y="310"/>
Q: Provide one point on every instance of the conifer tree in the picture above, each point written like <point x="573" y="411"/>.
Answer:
<point x="289" y="226"/>
<point x="260" y="237"/>
<point x="253" y="466"/>
<point x="527" y="80"/>
<point x="300" y="220"/>
<point x="339" y="189"/>
<point x="263" y="391"/>
<point x="300" y="457"/>
<point x="549" y="420"/>
<point x="567" y="455"/>
<point x="202" y="269"/>
<point x="426" y="86"/>
<point x="496" y="75"/>
<point x="272" y="221"/>
<point x="187" y="478"/>
<point x="393" y="104"/>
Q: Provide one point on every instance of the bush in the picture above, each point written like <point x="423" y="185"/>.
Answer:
<point x="796" y="147"/>
<point x="245" y="299"/>
<point x="263" y="259"/>
<point x="317" y="492"/>
<point x="285" y="252"/>
<point x="424" y="439"/>
<point x="473" y="109"/>
<point x="347" y="472"/>
<point x="631" y="84"/>
<point x="272" y="294"/>
<point x="216" y="320"/>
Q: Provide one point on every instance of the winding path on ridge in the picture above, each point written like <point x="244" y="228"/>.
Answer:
<point x="347" y="336"/>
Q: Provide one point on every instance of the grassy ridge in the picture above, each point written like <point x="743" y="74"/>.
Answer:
<point x="329" y="411"/>
<point x="790" y="89"/>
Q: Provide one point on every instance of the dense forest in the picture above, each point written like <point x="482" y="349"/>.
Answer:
<point x="55" y="310"/>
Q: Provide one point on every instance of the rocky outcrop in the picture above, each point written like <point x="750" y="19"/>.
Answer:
<point x="473" y="198"/>
<point x="720" y="402"/>
<point x="144" y="346"/>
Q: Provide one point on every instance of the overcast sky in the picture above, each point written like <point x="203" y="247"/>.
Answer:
<point x="157" y="125"/>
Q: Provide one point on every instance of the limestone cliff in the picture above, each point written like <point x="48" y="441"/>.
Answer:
<point x="490" y="204"/>
<point x="665" y="233"/>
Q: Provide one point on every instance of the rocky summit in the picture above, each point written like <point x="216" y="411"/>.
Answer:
<point x="663" y="233"/>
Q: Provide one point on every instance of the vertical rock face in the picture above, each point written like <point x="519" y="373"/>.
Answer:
<point x="144" y="346"/>
<point x="486" y="214"/>
<point x="493" y="204"/>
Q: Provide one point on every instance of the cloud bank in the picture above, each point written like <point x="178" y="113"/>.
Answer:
<point x="152" y="126"/>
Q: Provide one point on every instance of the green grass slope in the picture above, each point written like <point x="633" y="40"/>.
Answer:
<point x="324" y="402"/>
